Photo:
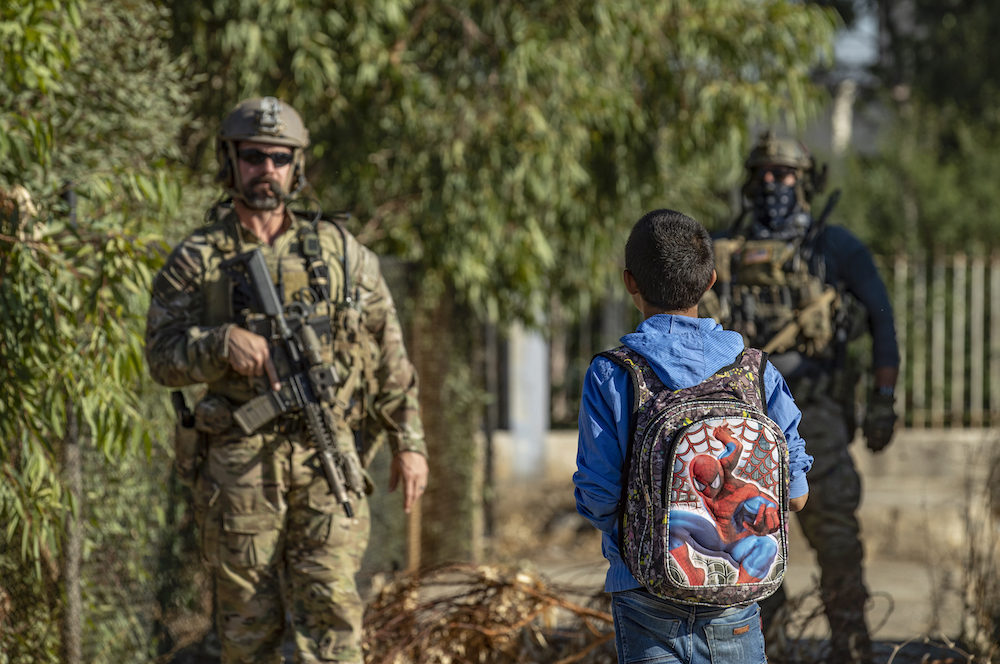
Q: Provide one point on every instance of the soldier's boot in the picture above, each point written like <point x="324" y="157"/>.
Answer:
<point x="844" y="604"/>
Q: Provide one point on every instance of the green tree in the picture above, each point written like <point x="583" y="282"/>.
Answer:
<point x="929" y="187"/>
<point x="485" y="139"/>
<point x="944" y="51"/>
<point x="90" y="99"/>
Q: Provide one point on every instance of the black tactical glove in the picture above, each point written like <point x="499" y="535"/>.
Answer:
<point x="880" y="420"/>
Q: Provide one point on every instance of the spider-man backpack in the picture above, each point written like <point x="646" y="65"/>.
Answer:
<point x="703" y="517"/>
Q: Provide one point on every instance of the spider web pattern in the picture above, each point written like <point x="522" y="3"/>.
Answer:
<point x="719" y="572"/>
<point x="760" y="466"/>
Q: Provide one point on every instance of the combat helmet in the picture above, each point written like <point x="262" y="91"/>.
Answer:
<point x="264" y="120"/>
<point x="773" y="150"/>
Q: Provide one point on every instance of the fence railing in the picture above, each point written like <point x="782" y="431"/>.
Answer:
<point x="947" y="313"/>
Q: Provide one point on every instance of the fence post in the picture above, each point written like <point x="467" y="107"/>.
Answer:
<point x="920" y="345"/>
<point x="994" y="340"/>
<point x="937" y="343"/>
<point x="977" y="317"/>
<point x="958" y="314"/>
<point x="901" y="311"/>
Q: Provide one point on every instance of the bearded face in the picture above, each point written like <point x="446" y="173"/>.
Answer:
<point x="263" y="193"/>
<point x="265" y="170"/>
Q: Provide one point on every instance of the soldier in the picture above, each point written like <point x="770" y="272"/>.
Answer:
<point x="273" y="533"/>
<point x="799" y="289"/>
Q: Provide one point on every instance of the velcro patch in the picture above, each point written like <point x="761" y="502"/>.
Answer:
<point x="761" y="255"/>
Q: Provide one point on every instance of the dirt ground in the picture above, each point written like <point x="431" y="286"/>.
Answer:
<point x="538" y="528"/>
<point x="910" y="503"/>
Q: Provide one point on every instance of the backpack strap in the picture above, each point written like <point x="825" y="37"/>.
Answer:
<point x="636" y="367"/>
<point x="757" y="359"/>
<point x="754" y="362"/>
<point x="763" y="386"/>
<point x="629" y="360"/>
<point x="732" y="365"/>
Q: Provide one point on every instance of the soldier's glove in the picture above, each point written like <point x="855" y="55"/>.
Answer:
<point x="880" y="420"/>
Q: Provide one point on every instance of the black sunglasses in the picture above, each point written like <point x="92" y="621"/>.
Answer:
<point x="257" y="157"/>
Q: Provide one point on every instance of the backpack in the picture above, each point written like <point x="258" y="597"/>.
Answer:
<point x="703" y="517"/>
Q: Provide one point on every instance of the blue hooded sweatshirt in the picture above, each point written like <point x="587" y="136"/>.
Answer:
<point x="683" y="351"/>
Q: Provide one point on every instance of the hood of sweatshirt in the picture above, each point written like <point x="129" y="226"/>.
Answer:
<point x="682" y="350"/>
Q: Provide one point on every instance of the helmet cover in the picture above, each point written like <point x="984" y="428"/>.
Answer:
<point x="262" y="120"/>
<point x="265" y="120"/>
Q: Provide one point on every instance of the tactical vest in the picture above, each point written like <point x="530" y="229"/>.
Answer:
<point x="768" y="291"/>
<point x="319" y="286"/>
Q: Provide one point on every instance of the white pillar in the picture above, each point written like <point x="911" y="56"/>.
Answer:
<point x="528" y="371"/>
<point x="843" y="116"/>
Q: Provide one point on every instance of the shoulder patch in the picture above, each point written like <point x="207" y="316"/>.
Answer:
<point x="183" y="268"/>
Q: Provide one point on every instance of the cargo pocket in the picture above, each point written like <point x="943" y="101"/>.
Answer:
<point x="327" y="524"/>
<point x="249" y="541"/>
<point x="323" y="505"/>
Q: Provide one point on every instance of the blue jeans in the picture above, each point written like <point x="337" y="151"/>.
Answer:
<point x="650" y="630"/>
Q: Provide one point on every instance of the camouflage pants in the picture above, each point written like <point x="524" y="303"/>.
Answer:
<point x="278" y="541"/>
<point x="831" y="527"/>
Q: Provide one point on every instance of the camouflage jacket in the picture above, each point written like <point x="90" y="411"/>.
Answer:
<point x="196" y="303"/>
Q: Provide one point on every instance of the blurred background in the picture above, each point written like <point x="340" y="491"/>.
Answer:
<point x="495" y="154"/>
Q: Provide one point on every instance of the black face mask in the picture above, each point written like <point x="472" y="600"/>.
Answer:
<point x="777" y="213"/>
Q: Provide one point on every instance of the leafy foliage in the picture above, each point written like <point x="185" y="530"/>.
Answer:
<point x="944" y="51"/>
<point x="503" y="148"/>
<point x="94" y="98"/>
<point x="506" y="147"/>
<point x="931" y="187"/>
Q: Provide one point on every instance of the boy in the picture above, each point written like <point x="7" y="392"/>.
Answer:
<point x="669" y="265"/>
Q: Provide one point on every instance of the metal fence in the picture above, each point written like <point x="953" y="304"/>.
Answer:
<point x="947" y="312"/>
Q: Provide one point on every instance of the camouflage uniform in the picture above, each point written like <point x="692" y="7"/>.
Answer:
<point x="794" y="288"/>
<point x="275" y="537"/>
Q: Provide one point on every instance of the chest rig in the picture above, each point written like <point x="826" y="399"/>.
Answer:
<point x="774" y="293"/>
<point x="302" y="277"/>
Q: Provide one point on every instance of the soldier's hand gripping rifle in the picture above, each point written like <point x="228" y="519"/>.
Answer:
<point x="787" y="336"/>
<point x="308" y="389"/>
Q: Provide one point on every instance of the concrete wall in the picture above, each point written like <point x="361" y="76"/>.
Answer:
<point x="915" y="496"/>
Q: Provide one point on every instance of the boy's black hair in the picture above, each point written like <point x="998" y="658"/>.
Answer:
<point x="671" y="257"/>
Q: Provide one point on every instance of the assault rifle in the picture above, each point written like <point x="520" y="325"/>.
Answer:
<point x="310" y="387"/>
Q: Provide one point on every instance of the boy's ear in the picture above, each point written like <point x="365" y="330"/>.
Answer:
<point x="710" y="283"/>
<point x="632" y="285"/>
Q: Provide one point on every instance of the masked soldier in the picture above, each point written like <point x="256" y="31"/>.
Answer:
<point x="277" y="536"/>
<point x="800" y="290"/>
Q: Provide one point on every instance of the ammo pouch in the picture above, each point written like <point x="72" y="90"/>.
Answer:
<point x="188" y="452"/>
<point x="213" y="414"/>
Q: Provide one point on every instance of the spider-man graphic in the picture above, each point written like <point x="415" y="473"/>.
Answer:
<point x="743" y="517"/>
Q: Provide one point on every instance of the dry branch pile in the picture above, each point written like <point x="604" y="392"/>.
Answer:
<point x="483" y="615"/>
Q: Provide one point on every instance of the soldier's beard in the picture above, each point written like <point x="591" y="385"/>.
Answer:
<point x="256" y="200"/>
